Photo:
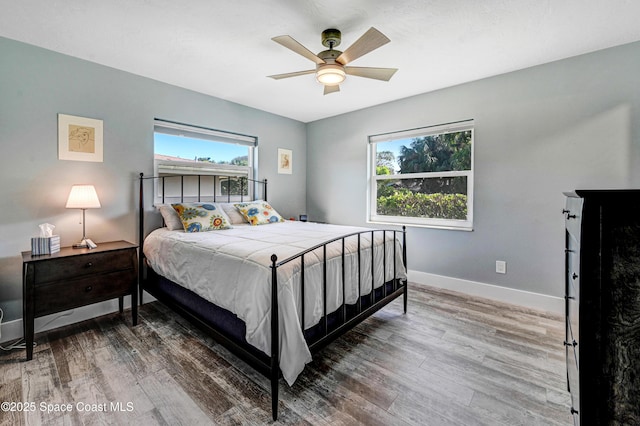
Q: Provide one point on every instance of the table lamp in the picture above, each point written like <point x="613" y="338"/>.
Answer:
<point x="83" y="197"/>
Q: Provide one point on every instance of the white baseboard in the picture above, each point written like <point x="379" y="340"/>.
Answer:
<point x="503" y="294"/>
<point x="12" y="330"/>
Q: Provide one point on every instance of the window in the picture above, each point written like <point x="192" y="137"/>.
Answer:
<point x="223" y="160"/>
<point x="423" y="176"/>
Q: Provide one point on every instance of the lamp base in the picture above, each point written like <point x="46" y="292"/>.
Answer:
<point x="85" y="243"/>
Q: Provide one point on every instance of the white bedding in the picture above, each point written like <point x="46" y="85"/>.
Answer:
<point x="231" y="269"/>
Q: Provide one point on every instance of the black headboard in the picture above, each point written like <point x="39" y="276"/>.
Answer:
<point x="198" y="196"/>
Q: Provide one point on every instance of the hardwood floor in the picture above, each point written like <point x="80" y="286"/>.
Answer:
<point x="451" y="360"/>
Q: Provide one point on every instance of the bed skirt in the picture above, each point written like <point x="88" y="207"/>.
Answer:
<point x="232" y="327"/>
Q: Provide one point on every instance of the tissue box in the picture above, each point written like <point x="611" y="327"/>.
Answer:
<point x="45" y="245"/>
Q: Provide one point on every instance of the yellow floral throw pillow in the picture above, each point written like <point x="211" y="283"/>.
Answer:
<point x="202" y="217"/>
<point x="258" y="213"/>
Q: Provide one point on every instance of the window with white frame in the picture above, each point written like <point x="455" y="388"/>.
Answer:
<point x="423" y="176"/>
<point x="221" y="163"/>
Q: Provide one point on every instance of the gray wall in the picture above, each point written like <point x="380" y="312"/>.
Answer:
<point x="538" y="132"/>
<point x="36" y="85"/>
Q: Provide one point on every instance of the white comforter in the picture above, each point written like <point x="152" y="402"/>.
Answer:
<point x="231" y="269"/>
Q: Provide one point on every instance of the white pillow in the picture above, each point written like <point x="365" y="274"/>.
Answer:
<point x="171" y="219"/>
<point x="235" y="216"/>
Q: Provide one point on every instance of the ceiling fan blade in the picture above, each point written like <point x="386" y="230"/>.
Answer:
<point x="331" y="89"/>
<point x="291" y="74"/>
<point x="384" y="74"/>
<point x="290" y="43"/>
<point x="369" y="41"/>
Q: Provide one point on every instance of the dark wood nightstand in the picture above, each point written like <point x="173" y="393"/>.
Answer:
<point x="77" y="277"/>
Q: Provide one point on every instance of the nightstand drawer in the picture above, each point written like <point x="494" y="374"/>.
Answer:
<point x="70" y="294"/>
<point x="78" y="266"/>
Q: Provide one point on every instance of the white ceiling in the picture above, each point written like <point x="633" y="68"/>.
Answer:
<point x="224" y="48"/>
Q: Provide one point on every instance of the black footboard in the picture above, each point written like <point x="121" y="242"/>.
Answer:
<point x="335" y="323"/>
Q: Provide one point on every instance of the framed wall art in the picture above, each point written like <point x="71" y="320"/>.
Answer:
<point x="79" y="138"/>
<point x="285" y="161"/>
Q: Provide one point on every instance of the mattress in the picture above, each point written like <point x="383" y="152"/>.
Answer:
<point x="231" y="268"/>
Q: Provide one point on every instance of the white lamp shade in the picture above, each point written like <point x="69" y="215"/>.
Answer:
<point x="83" y="197"/>
<point x="330" y="74"/>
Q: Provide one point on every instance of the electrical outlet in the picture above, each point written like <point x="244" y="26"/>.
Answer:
<point x="501" y="267"/>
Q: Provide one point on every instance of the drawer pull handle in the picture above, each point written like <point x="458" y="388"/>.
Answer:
<point x="88" y="289"/>
<point x="571" y="216"/>
<point x="570" y="297"/>
<point x="574" y="343"/>
<point x="574" y="276"/>
<point x="564" y="211"/>
<point x="88" y="265"/>
<point x="573" y="411"/>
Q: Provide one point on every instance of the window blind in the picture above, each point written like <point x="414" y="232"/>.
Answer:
<point x="422" y="131"/>
<point x="190" y="131"/>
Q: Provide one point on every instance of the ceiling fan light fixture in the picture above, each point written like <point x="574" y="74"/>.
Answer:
<point x="330" y="74"/>
<point x="331" y="65"/>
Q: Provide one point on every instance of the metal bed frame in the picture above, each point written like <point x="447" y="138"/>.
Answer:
<point x="331" y="326"/>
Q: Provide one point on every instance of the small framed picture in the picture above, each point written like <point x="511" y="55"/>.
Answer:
<point x="285" y="161"/>
<point x="79" y="138"/>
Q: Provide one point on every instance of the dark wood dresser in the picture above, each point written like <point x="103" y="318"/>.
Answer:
<point x="77" y="277"/>
<point x="602" y="293"/>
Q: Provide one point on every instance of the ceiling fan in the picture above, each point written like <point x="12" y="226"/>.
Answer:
<point x="331" y="69"/>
